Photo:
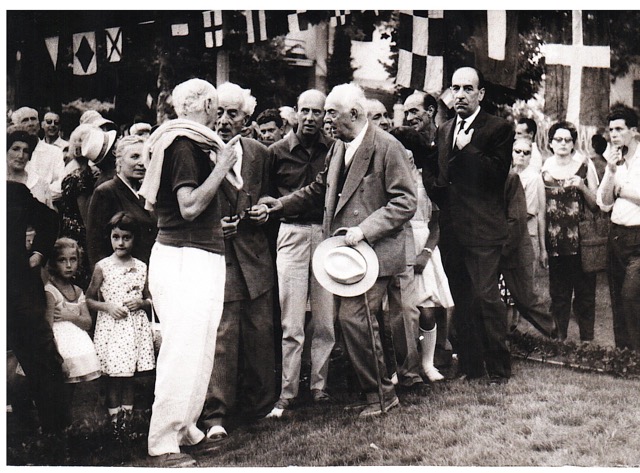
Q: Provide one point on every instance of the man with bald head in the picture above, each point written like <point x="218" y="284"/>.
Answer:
<point x="296" y="160"/>
<point x="474" y="157"/>
<point x="378" y="115"/>
<point x="243" y="381"/>
<point x="367" y="188"/>
<point x="47" y="161"/>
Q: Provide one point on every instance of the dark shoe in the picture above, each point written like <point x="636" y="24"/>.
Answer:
<point x="498" y="380"/>
<point x="321" y="397"/>
<point x="173" y="460"/>
<point x="374" y="409"/>
<point x="205" y="446"/>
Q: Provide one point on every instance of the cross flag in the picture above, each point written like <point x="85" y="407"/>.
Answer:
<point x="84" y="54"/>
<point x="113" y="37"/>
<point x="213" y="32"/>
<point x="577" y="80"/>
<point x="421" y="39"/>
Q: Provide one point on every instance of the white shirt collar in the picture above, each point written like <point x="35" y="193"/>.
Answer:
<point x="354" y="144"/>
<point x="467" y="121"/>
<point x="126" y="183"/>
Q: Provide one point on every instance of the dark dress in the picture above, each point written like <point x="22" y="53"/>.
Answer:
<point x="29" y="334"/>
<point x="78" y="183"/>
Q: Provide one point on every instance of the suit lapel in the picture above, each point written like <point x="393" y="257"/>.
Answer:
<point x="358" y="167"/>
<point x="130" y="196"/>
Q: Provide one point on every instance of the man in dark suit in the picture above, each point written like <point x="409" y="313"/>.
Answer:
<point x="367" y="188"/>
<point x="474" y="157"/>
<point x="245" y="343"/>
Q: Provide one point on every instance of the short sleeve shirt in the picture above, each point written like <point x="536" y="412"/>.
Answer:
<point x="185" y="164"/>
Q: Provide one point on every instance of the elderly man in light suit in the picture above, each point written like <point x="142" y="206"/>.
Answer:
<point x="367" y="188"/>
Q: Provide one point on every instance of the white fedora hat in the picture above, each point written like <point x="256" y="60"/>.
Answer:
<point x="97" y="143"/>
<point x="344" y="270"/>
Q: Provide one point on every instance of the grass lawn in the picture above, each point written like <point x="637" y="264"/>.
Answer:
<point x="545" y="416"/>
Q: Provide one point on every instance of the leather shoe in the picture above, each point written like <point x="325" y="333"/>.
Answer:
<point x="374" y="409"/>
<point x="321" y="397"/>
<point x="173" y="460"/>
<point x="205" y="446"/>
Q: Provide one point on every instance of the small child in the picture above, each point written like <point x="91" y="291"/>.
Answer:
<point x="123" y="339"/>
<point x="69" y="316"/>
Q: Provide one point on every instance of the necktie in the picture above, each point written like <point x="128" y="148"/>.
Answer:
<point x="460" y="128"/>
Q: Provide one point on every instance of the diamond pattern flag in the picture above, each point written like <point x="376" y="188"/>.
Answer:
<point x="84" y="54"/>
<point x="421" y="39"/>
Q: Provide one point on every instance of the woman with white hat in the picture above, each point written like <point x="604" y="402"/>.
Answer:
<point x="86" y="143"/>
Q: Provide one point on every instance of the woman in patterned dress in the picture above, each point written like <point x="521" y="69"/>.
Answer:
<point x="570" y="182"/>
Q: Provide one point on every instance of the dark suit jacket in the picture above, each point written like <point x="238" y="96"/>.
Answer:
<point x="249" y="265"/>
<point x="108" y="199"/>
<point x="379" y="196"/>
<point x="518" y="250"/>
<point x="469" y="187"/>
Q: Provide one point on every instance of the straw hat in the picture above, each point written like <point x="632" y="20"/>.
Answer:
<point x="343" y="270"/>
<point x="97" y="143"/>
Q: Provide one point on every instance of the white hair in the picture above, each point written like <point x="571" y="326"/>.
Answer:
<point x="22" y="112"/>
<point x="189" y="96"/>
<point x="372" y="104"/>
<point x="249" y="102"/>
<point x="349" y="96"/>
<point x="288" y="114"/>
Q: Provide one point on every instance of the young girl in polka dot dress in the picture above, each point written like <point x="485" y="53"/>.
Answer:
<point x="123" y="339"/>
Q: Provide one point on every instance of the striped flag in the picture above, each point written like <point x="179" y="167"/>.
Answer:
<point x="213" y="32"/>
<point x="496" y="46"/>
<point x="577" y="72"/>
<point x="421" y="39"/>
<point x="256" y="25"/>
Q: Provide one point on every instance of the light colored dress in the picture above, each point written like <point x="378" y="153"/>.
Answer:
<point x="124" y="346"/>
<point x="74" y="344"/>
<point x="432" y="286"/>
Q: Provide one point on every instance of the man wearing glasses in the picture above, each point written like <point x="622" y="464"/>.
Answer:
<point x="474" y="157"/>
<point x="51" y="128"/>
<point x="245" y="335"/>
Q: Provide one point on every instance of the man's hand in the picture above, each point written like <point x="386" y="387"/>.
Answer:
<point x="354" y="236"/>
<point x="421" y="262"/>
<point x="35" y="260"/>
<point x="230" y="226"/>
<point x="228" y="157"/>
<point x="544" y="259"/>
<point x="272" y="203"/>
<point x="464" y="138"/>
<point x="259" y="213"/>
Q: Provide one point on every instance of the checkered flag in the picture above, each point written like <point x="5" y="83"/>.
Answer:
<point x="339" y="18"/>
<point x="421" y="39"/>
<point x="298" y="21"/>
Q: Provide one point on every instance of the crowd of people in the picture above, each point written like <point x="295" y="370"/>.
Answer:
<point x="210" y="221"/>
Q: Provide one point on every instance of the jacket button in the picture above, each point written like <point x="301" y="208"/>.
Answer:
<point x="356" y="212"/>
<point x="362" y="189"/>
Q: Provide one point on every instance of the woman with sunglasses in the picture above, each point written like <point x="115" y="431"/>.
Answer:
<point x="534" y="193"/>
<point x="570" y="182"/>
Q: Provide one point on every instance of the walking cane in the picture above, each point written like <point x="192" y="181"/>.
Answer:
<point x="375" y="352"/>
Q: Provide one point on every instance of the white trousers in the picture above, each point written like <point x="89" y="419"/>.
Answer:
<point x="187" y="287"/>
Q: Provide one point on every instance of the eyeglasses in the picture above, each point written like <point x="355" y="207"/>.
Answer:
<point x="52" y="122"/>
<point x="522" y="151"/>
<point x="560" y="139"/>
